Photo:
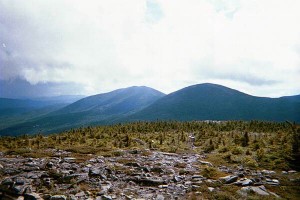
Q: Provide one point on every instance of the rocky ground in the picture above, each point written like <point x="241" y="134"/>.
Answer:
<point x="130" y="174"/>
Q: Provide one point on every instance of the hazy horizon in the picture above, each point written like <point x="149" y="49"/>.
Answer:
<point x="7" y="92"/>
<point x="53" y="48"/>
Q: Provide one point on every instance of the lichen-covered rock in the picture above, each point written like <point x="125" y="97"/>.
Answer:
<point x="58" y="197"/>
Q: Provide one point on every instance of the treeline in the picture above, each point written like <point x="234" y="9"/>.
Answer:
<point x="261" y="143"/>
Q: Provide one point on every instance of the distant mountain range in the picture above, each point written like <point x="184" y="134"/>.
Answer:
<point x="10" y="106"/>
<point x="98" y="109"/>
<point x="198" y="102"/>
<point x="16" y="111"/>
<point x="216" y="102"/>
<point x="295" y="98"/>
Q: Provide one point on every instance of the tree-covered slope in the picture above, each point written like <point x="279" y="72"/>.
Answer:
<point x="216" y="102"/>
<point x="9" y="107"/>
<point x="116" y="102"/>
<point x="98" y="109"/>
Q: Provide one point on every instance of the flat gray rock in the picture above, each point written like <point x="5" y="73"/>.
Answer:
<point x="229" y="179"/>
<point x="58" y="197"/>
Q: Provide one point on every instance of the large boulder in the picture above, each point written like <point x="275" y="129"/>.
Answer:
<point x="146" y="181"/>
<point x="94" y="172"/>
<point x="229" y="179"/>
<point x="244" y="182"/>
<point x="260" y="190"/>
<point x="32" y="196"/>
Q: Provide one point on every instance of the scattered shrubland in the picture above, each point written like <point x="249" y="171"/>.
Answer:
<point x="254" y="144"/>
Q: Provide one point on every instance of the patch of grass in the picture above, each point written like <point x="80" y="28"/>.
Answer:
<point x="84" y="149"/>
<point x="287" y="192"/>
<point x="218" y="159"/>
<point x="180" y="165"/>
<point x="125" y="160"/>
<point x="81" y="157"/>
<point x="209" y="172"/>
<point x="29" y="153"/>
<point x="117" y="153"/>
<point x="18" y="151"/>
<point x="185" y="172"/>
<point x="212" y="173"/>
<point x="146" y="153"/>
<point x="221" y="195"/>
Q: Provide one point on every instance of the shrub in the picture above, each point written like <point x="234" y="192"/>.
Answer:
<point x="223" y="149"/>
<point x="260" y="153"/>
<point x="209" y="172"/>
<point x="256" y="146"/>
<point x="227" y="157"/>
<point x="208" y="149"/>
<point x="248" y="152"/>
<point x="245" y="140"/>
<point x="237" y="151"/>
<point x="223" y="196"/>
<point x="118" y="153"/>
<point x="249" y="161"/>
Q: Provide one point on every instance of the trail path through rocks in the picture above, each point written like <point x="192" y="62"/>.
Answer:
<point x="134" y="174"/>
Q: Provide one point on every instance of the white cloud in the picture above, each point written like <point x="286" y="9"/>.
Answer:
<point x="252" y="46"/>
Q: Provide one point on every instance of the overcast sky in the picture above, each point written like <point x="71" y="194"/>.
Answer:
<point x="99" y="46"/>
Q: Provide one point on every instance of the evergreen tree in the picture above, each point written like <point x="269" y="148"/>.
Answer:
<point x="245" y="139"/>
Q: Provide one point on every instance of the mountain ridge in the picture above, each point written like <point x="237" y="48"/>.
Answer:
<point x="204" y="101"/>
<point x="101" y="108"/>
<point x="98" y="100"/>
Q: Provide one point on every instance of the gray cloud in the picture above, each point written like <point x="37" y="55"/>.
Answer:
<point x="29" y="44"/>
<point x="103" y="45"/>
<point x="253" y="80"/>
<point x="17" y="88"/>
<point x="248" y="78"/>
